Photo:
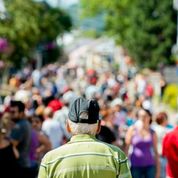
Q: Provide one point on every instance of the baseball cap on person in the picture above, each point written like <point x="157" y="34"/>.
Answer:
<point x="84" y="111"/>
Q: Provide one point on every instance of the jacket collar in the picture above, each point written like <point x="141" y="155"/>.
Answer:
<point x="82" y="138"/>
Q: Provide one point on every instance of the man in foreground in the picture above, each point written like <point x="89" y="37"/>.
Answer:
<point x="84" y="156"/>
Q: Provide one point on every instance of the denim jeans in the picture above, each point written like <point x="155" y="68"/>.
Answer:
<point x="143" y="172"/>
<point x="163" y="163"/>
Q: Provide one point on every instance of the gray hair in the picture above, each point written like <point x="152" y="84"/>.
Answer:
<point x="83" y="128"/>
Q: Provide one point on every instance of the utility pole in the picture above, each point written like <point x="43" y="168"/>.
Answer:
<point x="2" y="10"/>
<point x="175" y="47"/>
<point x="175" y="5"/>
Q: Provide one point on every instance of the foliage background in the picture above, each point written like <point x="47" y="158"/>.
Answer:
<point x="146" y="29"/>
<point x="30" y="25"/>
<point x="170" y="96"/>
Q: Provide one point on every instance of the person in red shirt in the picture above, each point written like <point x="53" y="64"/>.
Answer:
<point x="170" y="151"/>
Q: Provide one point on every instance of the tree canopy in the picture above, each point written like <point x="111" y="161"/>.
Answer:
<point x="30" y="24"/>
<point x="146" y="29"/>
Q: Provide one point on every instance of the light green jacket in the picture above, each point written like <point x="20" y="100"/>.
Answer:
<point x="85" y="157"/>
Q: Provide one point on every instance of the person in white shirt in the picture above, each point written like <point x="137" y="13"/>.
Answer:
<point x="52" y="129"/>
<point x="161" y="129"/>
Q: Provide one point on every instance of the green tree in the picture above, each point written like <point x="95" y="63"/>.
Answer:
<point x="30" y="24"/>
<point x="146" y="29"/>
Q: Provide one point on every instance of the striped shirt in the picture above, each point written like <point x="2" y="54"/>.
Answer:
<point x="85" y="157"/>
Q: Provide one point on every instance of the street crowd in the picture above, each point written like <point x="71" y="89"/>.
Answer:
<point x="33" y="119"/>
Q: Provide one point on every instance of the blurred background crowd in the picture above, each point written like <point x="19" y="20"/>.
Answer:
<point x="33" y="116"/>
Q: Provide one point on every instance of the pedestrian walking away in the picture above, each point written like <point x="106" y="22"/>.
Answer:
<point x="84" y="156"/>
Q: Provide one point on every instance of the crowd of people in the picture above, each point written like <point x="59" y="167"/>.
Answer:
<point x="33" y="118"/>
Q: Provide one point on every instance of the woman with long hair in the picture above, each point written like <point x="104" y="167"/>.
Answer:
<point x="141" y="144"/>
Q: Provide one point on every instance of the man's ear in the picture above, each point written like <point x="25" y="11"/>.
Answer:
<point x="68" y="126"/>
<point x="99" y="127"/>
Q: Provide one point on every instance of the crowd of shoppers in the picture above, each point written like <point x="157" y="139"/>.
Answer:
<point x="38" y="106"/>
